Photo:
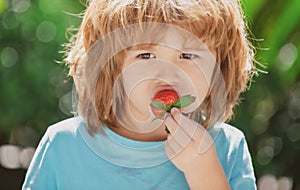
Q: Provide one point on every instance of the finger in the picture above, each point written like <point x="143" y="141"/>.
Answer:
<point x="188" y="125"/>
<point x="170" y="124"/>
<point x="196" y="132"/>
<point x="177" y="133"/>
<point x="206" y="142"/>
<point x="172" y="147"/>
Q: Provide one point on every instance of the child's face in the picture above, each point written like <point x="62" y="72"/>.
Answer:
<point x="178" y="63"/>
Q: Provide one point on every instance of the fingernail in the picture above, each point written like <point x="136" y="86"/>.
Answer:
<point x="174" y="110"/>
<point x="165" y="116"/>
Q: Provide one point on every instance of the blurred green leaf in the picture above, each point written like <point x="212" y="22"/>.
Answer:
<point x="281" y="29"/>
<point x="251" y="7"/>
<point x="3" y="5"/>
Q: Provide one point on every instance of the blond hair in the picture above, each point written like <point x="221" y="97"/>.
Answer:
<point x="218" y="23"/>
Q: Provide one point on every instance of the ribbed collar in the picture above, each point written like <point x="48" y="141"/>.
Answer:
<point x="122" y="151"/>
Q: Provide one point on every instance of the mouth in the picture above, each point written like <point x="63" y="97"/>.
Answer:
<point x="162" y="88"/>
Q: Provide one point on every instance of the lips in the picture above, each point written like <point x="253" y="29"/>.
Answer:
<point x="163" y="88"/>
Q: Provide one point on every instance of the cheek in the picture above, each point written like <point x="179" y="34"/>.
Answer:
<point x="200" y="79"/>
<point x="138" y="92"/>
<point x="198" y="86"/>
<point x="202" y="87"/>
<point x="137" y="102"/>
<point x="202" y="75"/>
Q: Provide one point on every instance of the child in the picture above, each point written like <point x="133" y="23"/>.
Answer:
<point x="127" y="54"/>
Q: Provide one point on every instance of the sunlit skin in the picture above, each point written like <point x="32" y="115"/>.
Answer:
<point x="148" y="71"/>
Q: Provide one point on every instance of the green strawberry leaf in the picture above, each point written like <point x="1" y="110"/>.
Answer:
<point x="184" y="101"/>
<point x="158" y="105"/>
<point x="160" y="115"/>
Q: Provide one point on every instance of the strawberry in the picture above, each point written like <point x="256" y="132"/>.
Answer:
<point x="162" y="101"/>
<point x="165" y="100"/>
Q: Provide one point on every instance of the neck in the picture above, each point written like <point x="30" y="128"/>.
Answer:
<point x="157" y="135"/>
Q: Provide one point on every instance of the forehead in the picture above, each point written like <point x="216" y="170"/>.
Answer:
<point x="171" y="38"/>
<point x="183" y="40"/>
<point x="144" y="35"/>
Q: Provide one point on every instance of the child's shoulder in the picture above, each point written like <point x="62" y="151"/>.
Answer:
<point x="67" y="127"/>
<point x="227" y="134"/>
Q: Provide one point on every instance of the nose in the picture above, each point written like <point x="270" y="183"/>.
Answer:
<point x="167" y="70"/>
<point x="168" y="73"/>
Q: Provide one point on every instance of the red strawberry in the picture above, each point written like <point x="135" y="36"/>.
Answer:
<point x="167" y="97"/>
<point x="165" y="100"/>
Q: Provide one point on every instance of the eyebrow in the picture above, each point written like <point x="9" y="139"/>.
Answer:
<point x="193" y="44"/>
<point x="143" y="47"/>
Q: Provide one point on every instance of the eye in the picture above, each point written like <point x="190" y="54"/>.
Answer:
<point x="146" y="56"/>
<point x="188" y="56"/>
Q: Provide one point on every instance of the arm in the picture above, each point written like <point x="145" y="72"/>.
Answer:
<point x="242" y="176"/>
<point x="40" y="174"/>
<point x="191" y="149"/>
<point x="207" y="173"/>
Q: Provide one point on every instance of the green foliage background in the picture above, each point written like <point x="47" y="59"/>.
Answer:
<point x="35" y="88"/>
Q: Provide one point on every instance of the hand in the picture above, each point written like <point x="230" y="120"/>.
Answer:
<point x="187" y="140"/>
<point x="191" y="149"/>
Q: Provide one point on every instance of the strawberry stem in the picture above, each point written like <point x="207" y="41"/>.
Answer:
<point x="168" y="107"/>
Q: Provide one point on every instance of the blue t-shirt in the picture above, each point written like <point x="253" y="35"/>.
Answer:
<point x="68" y="157"/>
